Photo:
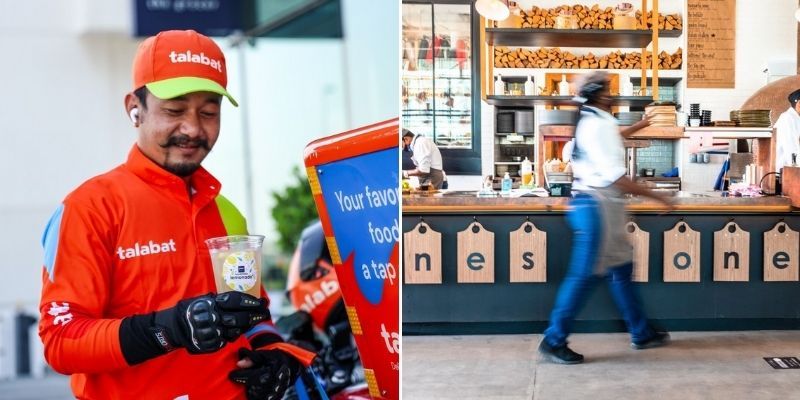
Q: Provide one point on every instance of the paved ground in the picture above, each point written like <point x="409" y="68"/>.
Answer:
<point x="696" y="365"/>
<point x="52" y="387"/>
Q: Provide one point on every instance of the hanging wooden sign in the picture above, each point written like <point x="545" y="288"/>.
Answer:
<point x="528" y="255"/>
<point x="781" y="252"/>
<point x="640" y="240"/>
<point x="475" y="255"/>
<point x="422" y="259"/>
<point x="681" y="254"/>
<point x="732" y="254"/>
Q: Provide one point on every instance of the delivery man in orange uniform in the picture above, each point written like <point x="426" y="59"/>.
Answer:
<point x="127" y="306"/>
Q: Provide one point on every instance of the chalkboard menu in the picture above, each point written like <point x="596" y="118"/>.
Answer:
<point x="711" y="56"/>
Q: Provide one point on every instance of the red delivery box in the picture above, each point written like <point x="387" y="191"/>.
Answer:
<point x="355" y="183"/>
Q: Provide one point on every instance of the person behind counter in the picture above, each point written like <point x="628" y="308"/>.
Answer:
<point x="597" y="218"/>
<point x="788" y="133"/>
<point x="426" y="157"/>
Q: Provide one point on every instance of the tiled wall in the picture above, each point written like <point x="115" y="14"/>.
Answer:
<point x="660" y="155"/>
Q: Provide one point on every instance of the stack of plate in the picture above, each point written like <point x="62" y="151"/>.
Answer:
<point x="661" y="115"/>
<point x="724" y="123"/>
<point x="694" y="110"/>
<point x="735" y="116"/>
<point x="629" y="118"/>
<point x="705" y="119"/>
<point x="754" y="118"/>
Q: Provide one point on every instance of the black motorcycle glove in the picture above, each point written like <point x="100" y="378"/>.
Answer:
<point x="273" y="372"/>
<point x="200" y="324"/>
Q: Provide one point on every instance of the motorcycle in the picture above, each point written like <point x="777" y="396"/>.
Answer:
<point x="320" y="324"/>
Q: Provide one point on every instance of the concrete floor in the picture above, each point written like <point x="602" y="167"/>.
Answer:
<point x="51" y="387"/>
<point x="696" y="365"/>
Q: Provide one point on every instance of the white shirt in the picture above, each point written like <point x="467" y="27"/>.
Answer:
<point x="600" y="159"/>
<point x="425" y="154"/>
<point x="787" y="138"/>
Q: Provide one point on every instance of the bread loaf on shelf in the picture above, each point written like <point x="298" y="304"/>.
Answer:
<point x="554" y="57"/>
<point x="593" y="17"/>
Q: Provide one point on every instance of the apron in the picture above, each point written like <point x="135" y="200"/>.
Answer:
<point x="615" y="248"/>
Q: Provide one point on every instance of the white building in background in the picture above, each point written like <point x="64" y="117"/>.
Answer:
<point x="66" y="66"/>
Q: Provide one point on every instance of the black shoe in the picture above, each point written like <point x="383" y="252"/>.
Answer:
<point x="559" y="355"/>
<point x="657" y="340"/>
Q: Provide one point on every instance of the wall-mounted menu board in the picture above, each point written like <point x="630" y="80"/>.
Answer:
<point x="711" y="58"/>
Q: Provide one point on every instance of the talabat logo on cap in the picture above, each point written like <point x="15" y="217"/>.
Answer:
<point x="195" y="58"/>
<point x="174" y="63"/>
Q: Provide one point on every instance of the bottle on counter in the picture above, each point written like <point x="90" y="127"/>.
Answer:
<point x="563" y="86"/>
<point x="499" y="86"/>
<point x="529" y="88"/>
<point x="505" y="186"/>
<point x="526" y="171"/>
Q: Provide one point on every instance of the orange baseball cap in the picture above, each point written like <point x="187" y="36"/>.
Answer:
<point x="174" y="63"/>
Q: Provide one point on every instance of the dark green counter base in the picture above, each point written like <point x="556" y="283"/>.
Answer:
<point x="531" y="327"/>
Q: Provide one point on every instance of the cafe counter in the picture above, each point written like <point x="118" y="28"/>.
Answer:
<point x="493" y="265"/>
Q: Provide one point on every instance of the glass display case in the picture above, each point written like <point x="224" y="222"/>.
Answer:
<point x="436" y="73"/>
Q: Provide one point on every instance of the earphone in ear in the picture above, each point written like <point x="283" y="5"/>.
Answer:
<point x="134" y="115"/>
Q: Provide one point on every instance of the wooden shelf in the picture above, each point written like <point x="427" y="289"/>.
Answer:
<point x="530" y="101"/>
<point x="633" y="74"/>
<point x="738" y="132"/>
<point x="659" y="132"/>
<point x="526" y="37"/>
<point x="651" y="132"/>
<point x="557" y="131"/>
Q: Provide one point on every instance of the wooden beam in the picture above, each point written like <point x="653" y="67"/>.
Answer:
<point x="643" y="83"/>
<point x="486" y="54"/>
<point x="654" y="60"/>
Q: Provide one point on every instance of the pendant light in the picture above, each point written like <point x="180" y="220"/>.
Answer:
<point x="493" y="9"/>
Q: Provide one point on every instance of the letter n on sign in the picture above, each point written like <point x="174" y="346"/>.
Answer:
<point x="731" y="254"/>
<point x="781" y="253"/>
<point x="475" y="255"/>
<point x="528" y="258"/>
<point x="640" y="240"/>
<point x="681" y="254"/>
<point x="422" y="258"/>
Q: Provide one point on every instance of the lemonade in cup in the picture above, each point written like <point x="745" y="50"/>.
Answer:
<point x="237" y="263"/>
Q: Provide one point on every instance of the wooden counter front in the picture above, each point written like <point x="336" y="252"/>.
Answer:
<point x="713" y="264"/>
<point x="467" y="202"/>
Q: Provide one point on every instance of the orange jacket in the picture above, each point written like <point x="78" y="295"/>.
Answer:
<point x="131" y="241"/>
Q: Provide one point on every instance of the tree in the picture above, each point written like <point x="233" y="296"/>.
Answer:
<point x="294" y="209"/>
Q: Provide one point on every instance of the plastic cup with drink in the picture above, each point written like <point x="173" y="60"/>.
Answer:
<point x="237" y="263"/>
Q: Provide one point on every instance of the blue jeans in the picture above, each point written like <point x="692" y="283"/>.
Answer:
<point x="585" y="220"/>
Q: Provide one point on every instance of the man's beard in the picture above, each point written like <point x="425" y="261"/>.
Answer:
<point x="183" y="169"/>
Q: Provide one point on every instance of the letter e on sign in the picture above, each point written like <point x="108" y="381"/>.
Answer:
<point x="527" y="259"/>
<point x="422" y="255"/>
<point x="475" y="255"/>
<point x="731" y="254"/>
<point x="781" y="251"/>
<point x="681" y="254"/>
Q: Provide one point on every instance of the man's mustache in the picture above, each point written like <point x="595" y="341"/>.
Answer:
<point x="183" y="140"/>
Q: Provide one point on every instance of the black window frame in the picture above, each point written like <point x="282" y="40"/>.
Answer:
<point x="464" y="161"/>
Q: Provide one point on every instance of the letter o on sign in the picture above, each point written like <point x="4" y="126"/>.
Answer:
<point x="682" y="260"/>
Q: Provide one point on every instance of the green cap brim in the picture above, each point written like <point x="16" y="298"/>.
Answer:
<point x="174" y="87"/>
